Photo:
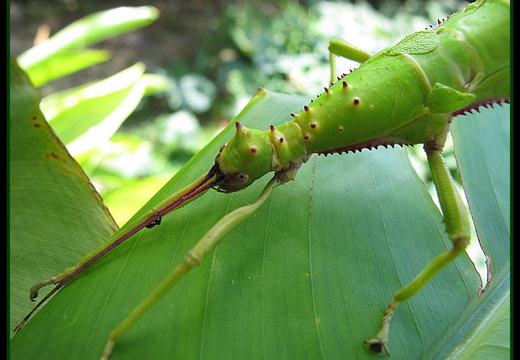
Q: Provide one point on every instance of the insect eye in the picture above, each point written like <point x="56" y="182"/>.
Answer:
<point x="241" y="177"/>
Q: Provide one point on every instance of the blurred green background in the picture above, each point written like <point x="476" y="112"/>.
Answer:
<point x="203" y="60"/>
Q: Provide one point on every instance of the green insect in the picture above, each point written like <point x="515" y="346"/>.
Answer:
<point x="404" y="95"/>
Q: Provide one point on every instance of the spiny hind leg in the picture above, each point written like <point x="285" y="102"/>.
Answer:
<point x="457" y="225"/>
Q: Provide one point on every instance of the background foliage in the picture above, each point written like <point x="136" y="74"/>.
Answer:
<point x="257" y="46"/>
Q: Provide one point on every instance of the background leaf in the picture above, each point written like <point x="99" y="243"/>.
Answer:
<point x="107" y="102"/>
<point x="57" y="67"/>
<point x="45" y="62"/>
<point x="308" y="276"/>
<point x="482" y="148"/>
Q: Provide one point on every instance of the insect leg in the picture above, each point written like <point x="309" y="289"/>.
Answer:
<point x="149" y="219"/>
<point x="344" y="49"/>
<point x="457" y="225"/>
<point x="192" y="259"/>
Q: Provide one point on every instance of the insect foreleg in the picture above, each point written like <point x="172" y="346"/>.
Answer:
<point x="344" y="49"/>
<point x="192" y="259"/>
<point x="149" y="219"/>
<point x="457" y="225"/>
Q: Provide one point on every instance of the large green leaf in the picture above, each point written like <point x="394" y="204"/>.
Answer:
<point x="50" y="198"/>
<point x="308" y="276"/>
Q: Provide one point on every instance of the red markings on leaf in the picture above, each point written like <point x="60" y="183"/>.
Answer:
<point x="52" y="155"/>
<point x="67" y="171"/>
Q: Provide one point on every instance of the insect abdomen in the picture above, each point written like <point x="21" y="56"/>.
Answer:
<point x="372" y="104"/>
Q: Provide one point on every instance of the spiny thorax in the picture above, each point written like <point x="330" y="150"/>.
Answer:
<point x="288" y="147"/>
<point x="252" y="153"/>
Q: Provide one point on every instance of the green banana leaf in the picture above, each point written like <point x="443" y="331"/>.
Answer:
<point x="308" y="276"/>
<point x="50" y="198"/>
<point x="108" y="103"/>
<point x="66" y="52"/>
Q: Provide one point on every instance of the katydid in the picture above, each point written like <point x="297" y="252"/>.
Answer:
<point x="406" y="94"/>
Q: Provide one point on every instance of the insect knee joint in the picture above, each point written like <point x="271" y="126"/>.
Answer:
<point x="193" y="259"/>
<point x="460" y="241"/>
